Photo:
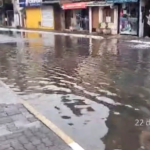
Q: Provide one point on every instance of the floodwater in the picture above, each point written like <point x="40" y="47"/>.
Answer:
<point x="96" y="91"/>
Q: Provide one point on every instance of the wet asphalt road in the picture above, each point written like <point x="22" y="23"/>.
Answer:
<point x="95" y="91"/>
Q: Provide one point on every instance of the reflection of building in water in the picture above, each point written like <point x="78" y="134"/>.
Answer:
<point x="109" y="46"/>
<point x="48" y="40"/>
<point x="145" y="139"/>
<point x="66" y="53"/>
<point x="84" y="51"/>
<point x="93" y="68"/>
<point x="38" y="47"/>
<point x="122" y="134"/>
<point x="132" y="71"/>
<point x="103" y="46"/>
<point x="35" y="44"/>
<point x="39" y="43"/>
<point x="4" y="71"/>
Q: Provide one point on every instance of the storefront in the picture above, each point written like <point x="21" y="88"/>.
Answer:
<point x="38" y="15"/>
<point x="129" y="18"/>
<point x="103" y="14"/>
<point x="76" y="16"/>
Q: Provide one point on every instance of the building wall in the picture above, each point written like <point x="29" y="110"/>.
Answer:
<point x="57" y="17"/>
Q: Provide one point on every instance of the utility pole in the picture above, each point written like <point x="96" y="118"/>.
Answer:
<point x="17" y="14"/>
<point x="2" y="14"/>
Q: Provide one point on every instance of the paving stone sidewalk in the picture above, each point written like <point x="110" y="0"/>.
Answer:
<point x="20" y="130"/>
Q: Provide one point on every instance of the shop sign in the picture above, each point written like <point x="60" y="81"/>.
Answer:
<point x="30" y="3"/>
<point x="22" y="3"/>
<point x="80" y="5"/>
<point x="33" y="3"/>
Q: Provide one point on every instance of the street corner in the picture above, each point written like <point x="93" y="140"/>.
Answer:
<point x="20" y="129"/>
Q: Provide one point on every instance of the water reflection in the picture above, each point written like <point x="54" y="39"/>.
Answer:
<point x="94" y="89"/>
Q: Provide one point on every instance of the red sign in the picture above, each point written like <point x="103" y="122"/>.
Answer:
<point x="74" y="5"/>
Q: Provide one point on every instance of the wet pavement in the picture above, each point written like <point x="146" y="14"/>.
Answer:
<point x="21" y="130"/>
<point x="96" y="91"/>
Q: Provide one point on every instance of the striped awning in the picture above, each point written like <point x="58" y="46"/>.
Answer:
<point x="80" y="5"/>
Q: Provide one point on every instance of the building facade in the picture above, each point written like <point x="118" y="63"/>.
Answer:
<point x="41" y="14"/>
<point x="131" y="16"/>
<point x="103" y="14"/>
<point x="126" y="17"/>
<point x="89" y="16"/>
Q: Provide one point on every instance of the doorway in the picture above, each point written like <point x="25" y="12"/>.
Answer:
<point x="82" y="18"/>
<point x="68" y="16"/>
<point x="95" y="18"/>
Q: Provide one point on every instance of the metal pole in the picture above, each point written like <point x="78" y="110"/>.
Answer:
<point x="7" y="16"/>
<point x="90" y="20"/>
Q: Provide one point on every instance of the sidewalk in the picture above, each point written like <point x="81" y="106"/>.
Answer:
<point x="74" y="33"/>
<point x="20" y="130"/>
<point x="64" y="33"/>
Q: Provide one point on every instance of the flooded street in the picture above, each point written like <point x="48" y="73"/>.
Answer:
<point x="96" y="91"/>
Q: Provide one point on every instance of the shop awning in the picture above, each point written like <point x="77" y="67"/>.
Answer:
<point x="103" y="4"/>
<point x="50" y="1"/>
<point x="122" y="1"/>
<point x="80" y="5"/>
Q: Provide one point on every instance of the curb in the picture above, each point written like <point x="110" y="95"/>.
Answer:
<point x="47" y="122"/>
<point x="54" y="33"/>
<point x="52" y="126"/>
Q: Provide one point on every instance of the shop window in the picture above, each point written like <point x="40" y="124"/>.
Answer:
<point x="108" y="12"/>
<point x="129" y="18"/>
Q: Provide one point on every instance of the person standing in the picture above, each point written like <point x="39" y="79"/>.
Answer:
<point x="86" y="22"/>
<point x="6" y="21"/>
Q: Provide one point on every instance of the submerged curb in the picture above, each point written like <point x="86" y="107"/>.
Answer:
<point x="55" y="33"/>
<point x="46" y="122"/>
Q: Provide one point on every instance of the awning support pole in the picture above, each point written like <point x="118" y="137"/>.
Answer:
<point x="90" y="19"/>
